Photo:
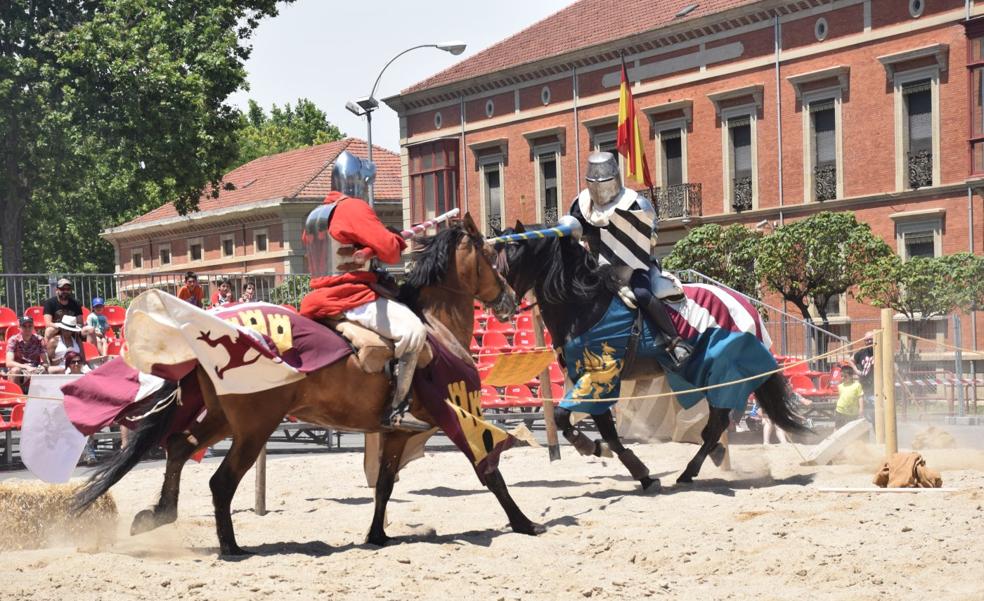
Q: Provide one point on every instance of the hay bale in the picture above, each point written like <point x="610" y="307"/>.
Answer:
<point x="34" y="515"/>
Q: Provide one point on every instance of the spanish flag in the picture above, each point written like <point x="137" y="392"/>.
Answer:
<point x="629" y="139"/>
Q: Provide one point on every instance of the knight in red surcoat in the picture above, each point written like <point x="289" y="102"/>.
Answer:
<point x="346" y="287"/>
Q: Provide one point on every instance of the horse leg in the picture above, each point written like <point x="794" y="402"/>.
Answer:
<point x="582" y="444"/>
<point x="517" y="519"/>
<point x="180" y="448"/>
<point x="717" y="423"/>
<point x="390" y="452"/>
<point x="246" y="447"/>
<point x="606" y="427"/>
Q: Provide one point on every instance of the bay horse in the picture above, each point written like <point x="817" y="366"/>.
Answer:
<point x="452" y="269"/>
<point x="581" y="308"/>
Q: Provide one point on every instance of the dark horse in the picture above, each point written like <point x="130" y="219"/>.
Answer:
<point x="577" y="299"/>
<point x="453" y="269"/>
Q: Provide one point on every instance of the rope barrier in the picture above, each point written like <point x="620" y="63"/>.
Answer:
<point x="943" y="344"/>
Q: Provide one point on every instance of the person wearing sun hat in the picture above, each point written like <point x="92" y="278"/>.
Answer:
<point x="62" y="303"/>
<point x="66" y="340"/>
<point x="98" y="325"/>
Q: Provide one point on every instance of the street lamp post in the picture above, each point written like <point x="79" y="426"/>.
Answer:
<point x="365" y="106"/>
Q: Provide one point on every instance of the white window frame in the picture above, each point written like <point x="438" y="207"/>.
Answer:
<point x="540" y="151"/>
<point x="222" y="240"/>
<point x="905" y="228"/>
<point x="497" y="161"/>
<point x="749" y="110"/>
<point x="201" y="244"/>
<point x="261" y="232"/>
<point x="134" y="254"/>
<point x="659" y="127"/>
<point x="809" y="148"/>
<point x="170" y="255"/>
<point x="900" y="79"/>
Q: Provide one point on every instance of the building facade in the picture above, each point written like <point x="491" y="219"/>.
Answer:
<point x="757" y="112"/>
<point x="254" y="226"/>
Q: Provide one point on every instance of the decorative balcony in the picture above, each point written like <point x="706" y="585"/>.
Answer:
<point x="550" y="216"/>
<point x="680" y="201"/>
<point x="920" y="164"/>
<point x="742" y="195"/>
<point x="494" y="223"/>
<point x="825" y="182"/>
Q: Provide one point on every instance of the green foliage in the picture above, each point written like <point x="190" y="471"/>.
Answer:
<point x="726" y="254"/>
<point x="291" y="291"/>
<point x="922" y="288"/>
<point x="108" y="109"/>
<point x="284" y="129"/>
<point x="817" y="258"/>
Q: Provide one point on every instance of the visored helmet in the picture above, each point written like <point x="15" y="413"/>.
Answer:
<point x="603" y="177"/>
<point x="351" y="175"/>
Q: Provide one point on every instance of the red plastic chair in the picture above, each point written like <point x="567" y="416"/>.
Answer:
<point x="16" y="417"/>
<point x="835" y="375"/>
<point x="524" y="339"/>
<point x="3" y="353"/>
<point x="85" y="315"/>
<point x="114" y="315"/>
<point x="475" y="347"/>
<point x="797" y="369"/>
<point x="10" y="393"/>
<point x="115" y="347"/>
<point x="802" y="384"/>
<point x="90" y="350"/>
<point x="478" y="328"/>
<point x="11" y="332"/>
<point x="556" y="375"/>
<point x="7" y="317"/>
<point x="524" y="323"/>
<point x="4" y="426"/>
<point x="487" y="358"/>
<point x="520" y="396"/>
<point x="496" y="341"/>
<point x="37" y="314"/>
<point x="110" y="333"/>
<point x="490" y="398"/>
<point x="494" y="325"/>
<point x="556" y="390"/>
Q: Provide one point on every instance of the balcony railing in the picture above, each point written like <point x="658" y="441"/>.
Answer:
<point x="550" y="215"/>
<point x="742" y="199"/>
<point x="495" y="223"/>
<point x="920" y="164"/>
<point x="679" y="201"/>
<point x="825" y="182"/>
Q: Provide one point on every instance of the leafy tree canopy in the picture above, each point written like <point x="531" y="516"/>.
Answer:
<point x="817" y="258"/>
<point x="726" y="254"/>
<point x="283" y="129"/>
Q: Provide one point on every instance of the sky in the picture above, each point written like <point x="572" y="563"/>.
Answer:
<point x="330" y="52"/>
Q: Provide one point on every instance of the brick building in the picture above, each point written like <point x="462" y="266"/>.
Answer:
<point x="757" y="111"/>
<point x="253" y="228"/>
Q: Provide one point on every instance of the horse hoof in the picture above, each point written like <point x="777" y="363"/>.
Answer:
<point x="378" y="540"/>
<point x="651" y="485"/>
<point x="684" y="479"/>
<point x="530" y="528"/>
<point x="234" y="551"/>
<point x="717" y="455"/>
<point x="144" y="521"/>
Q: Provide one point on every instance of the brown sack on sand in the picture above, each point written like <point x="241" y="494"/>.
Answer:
<point x="907" y="470"/>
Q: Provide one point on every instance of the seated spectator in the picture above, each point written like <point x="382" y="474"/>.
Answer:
<point x="249" y="293"/>
<point x="66" y="340"/>
<point x="61" y="304"/>
<point x="223" y="296"/>
<point x="76" y="366"/>
<point x="98" y="324"/>
<point x="191" y="291"/>
<point x="26" y="354"/>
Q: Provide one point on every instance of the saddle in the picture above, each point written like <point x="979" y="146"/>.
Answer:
<point x="371" y="351"/>
<point x="633" y="366"/>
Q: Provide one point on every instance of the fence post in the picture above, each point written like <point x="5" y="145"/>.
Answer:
<point x="259" y="501"/>
<point x="888" y="380"/>
<point x="546" y="394"/>
<point x="958" y="358"/>
<point x="878" y="349"/>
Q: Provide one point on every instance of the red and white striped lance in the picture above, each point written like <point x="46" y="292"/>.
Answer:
<point x="365" y="254"/>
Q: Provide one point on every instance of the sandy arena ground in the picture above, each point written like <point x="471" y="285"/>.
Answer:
<point x="760" y="532"/>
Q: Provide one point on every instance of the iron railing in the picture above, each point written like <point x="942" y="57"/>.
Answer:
<point x="920" y="167"/>
<point x="825" y="182"/>
<point x="680" y="201"/>
<point x="742" y="194"/>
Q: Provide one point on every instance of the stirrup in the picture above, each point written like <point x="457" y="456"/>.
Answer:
<point x="400" y="418"/>
<point x="679" y="352"/>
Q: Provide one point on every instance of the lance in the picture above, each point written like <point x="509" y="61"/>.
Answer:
<point x="365" y="254"/>
<point x="567" y="226"/>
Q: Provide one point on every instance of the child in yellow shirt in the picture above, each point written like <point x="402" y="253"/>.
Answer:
<point x="848" y="398"/>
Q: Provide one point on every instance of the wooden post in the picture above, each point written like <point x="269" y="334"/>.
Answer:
<point x="888" y="380"/>
<point x="546" y="392"/>
<point x="879" y="388"/>
<point x="726" y="462"/>
<point x="259" y="502"/>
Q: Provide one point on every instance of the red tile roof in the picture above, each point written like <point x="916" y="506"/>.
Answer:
<point x="301" y="173"/>
<point x="581" y="25"/>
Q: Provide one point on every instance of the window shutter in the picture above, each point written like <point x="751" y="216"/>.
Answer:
<point x="673" y="157"/>
<point x="824" y="135"/>
<point x="741" y="146"/>
<point x="919" y="106"/>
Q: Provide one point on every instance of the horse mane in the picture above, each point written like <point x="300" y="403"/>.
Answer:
<point x="572" y="274"/>
<point x="429" y="265"/>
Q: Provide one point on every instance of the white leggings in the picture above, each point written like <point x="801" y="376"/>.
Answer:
<point x="392" y="321"/>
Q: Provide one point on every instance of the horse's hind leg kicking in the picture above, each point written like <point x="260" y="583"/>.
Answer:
<point x="606" y="427"/>
<point x="180" y="448"/>
<point x="390" y="453"/>
<point x="717" y="423"/>
<point x="582" y="444"/>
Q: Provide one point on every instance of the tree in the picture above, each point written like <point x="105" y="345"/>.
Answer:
<point x="923" y="288"/>
<point x="726" y="254"/>
<point x="818" y="258"/>
<point x="285" y="129"/>
<point x="110" y="108"/>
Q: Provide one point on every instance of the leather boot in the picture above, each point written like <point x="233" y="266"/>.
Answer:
<point x="584" y="445"/>
<point x="398" y="414"/>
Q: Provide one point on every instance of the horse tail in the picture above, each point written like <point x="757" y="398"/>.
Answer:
<point x="775" y="398"/>
<point x="147" y="435"/>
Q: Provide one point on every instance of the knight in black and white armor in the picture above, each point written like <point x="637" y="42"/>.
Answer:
<point x="618" y="227"/>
